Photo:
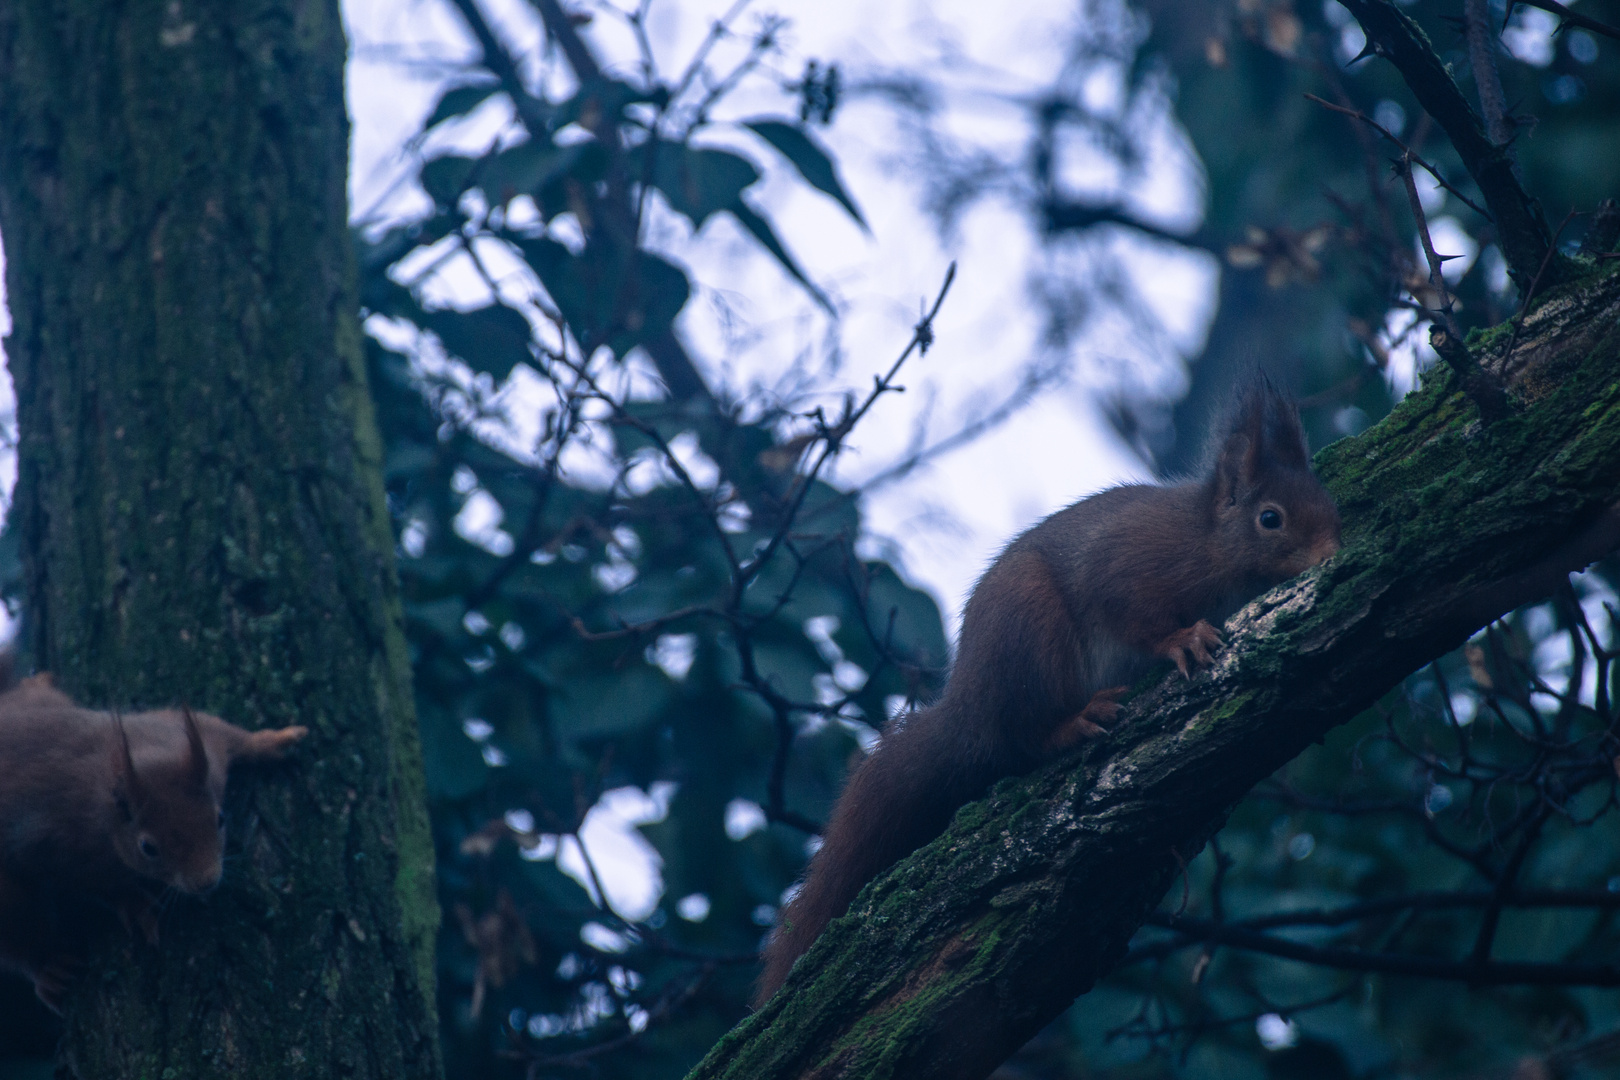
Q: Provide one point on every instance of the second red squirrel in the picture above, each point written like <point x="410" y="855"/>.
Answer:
<point x="99" y="811"/>
<point x="1069" y="615"/>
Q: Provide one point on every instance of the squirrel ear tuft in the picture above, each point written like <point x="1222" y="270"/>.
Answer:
<point x="197" y="753"/>
<point x="1282" y="435"/>
<point x="1262" y="432"/>
<point x="129" y="783"/>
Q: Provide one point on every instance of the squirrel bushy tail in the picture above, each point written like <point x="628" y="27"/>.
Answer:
<point x="898" y="799"/>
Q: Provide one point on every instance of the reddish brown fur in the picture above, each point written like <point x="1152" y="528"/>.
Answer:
<point x="96" y="809"/>
<point x="1073" y="610"/>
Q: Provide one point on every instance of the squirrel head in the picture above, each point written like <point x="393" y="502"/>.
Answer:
<point x="1273" y="519"/>
<point x="170" y="826"/>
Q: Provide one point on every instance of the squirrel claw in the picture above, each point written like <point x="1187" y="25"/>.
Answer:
<point x="1104" y="705"/>
<point x="1190" y="647"/>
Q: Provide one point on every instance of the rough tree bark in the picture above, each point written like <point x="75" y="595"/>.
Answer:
<point x="949" y="962"/>
<point x="201" y="515"/>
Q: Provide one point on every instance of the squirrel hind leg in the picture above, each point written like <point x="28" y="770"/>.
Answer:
<point x="1088" y="722"/>
<point x="1190" y="646"/>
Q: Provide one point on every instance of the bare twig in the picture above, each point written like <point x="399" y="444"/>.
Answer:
<point x="1486" y="973"/>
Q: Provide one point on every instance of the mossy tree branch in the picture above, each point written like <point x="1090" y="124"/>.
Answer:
<point x="949" y="962"/>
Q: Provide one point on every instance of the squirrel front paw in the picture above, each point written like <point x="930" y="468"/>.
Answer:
<point x="1189" y="647"/>
<point x="53" y="981"/>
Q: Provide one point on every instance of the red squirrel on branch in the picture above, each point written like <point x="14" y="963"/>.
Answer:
<point x="101" y="811"/>
<point x="1070" y="614"/>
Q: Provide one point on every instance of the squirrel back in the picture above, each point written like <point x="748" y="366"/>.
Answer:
<point x="100" y="807"/>
<point x="1070" y="614"/>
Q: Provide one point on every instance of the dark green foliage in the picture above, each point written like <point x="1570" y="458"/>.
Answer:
<point x="712" y="639"/>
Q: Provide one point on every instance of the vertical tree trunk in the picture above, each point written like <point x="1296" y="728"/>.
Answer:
<point x="201" y="514"/>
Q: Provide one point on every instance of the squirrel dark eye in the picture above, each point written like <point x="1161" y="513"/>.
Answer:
<point x="1270" y="519"/>
<point x="148" y="848"/>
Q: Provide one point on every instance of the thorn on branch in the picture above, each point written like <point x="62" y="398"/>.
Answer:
<point x="1571" y="18"/>
<point x="1444" y="335"/>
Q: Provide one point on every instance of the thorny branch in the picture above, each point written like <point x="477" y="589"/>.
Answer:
<point x="1520" y="225"/>
<point x="1445" y="335"/>
<point x="1570" y="17"/>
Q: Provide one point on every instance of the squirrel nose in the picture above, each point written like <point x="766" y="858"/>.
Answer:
<point x="1324" y="549"/>
<point x="200" y="884"/>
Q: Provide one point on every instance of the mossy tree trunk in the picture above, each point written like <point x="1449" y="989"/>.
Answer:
<point x="201" y="515"/>
<point x="953" y="959"/>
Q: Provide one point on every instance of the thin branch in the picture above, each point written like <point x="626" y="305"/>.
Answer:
<point x="1486" y="973"/>
<point x="1416" y="158"/>
<point x="922" y="336"/>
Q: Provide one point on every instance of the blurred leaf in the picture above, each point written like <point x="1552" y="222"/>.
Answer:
<point x="813" y="162"/>
<point x="526" y="168"/>
<point x="458" y="101"/>
<point x="454" y="763"/>
<point x="445" y="178"/>
<point x="698" y="182"/>
<point x="491" y="339"/>
<point x="789" y="666"/>
<point x="602" y="307"/>
<point x="593" y="705"/>
<point x="766" y="235"/>
<point x="443" y="617"/>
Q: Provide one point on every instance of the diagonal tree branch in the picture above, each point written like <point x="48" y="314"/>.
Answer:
<point x="959" y="954"/>
<point x="1520" y="224"/>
